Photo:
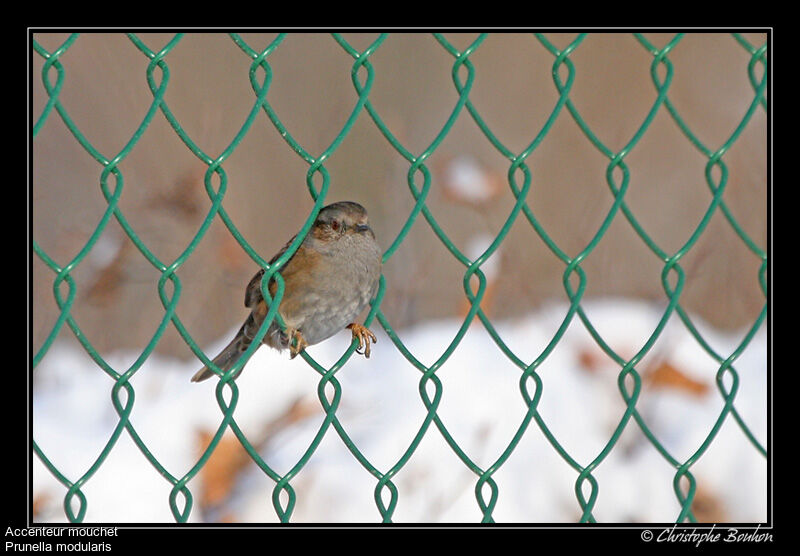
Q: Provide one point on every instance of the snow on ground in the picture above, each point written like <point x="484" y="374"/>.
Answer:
<point x="381" y="410"/>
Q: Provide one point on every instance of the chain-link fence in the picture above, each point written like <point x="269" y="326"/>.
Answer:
<point x="563" y="171"/>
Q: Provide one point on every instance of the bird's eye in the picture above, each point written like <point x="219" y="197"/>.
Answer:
<point x="335" y="225"/>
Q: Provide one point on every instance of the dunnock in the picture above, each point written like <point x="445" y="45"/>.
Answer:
<point x="329" y="280"/>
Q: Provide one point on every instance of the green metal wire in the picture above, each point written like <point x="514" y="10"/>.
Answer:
<point x="329" y="390"/>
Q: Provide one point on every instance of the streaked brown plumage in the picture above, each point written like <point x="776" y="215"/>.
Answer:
<point x="329" y="281"/>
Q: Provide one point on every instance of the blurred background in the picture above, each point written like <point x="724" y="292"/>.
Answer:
<point x="105" y="93"/>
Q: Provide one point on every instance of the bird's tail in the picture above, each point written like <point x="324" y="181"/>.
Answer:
<point x="226" y="358"/>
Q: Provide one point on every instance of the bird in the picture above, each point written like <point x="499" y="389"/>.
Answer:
<point x="329" y="281"/>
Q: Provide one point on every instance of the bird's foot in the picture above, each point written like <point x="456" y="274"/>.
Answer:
<point x="296" y="343"/>
<point x="364" y="337"/>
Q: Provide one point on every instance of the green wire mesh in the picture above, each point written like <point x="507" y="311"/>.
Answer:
<point x="419" y="182"/>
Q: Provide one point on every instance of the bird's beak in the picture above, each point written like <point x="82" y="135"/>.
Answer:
<point x="362" y="228"/>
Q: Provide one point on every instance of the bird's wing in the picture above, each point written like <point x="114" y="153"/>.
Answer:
<point x="252" y="295"/>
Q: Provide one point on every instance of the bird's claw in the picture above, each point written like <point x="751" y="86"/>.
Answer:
<point x="364" y="336"/>
<point x="298" y="345"/>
